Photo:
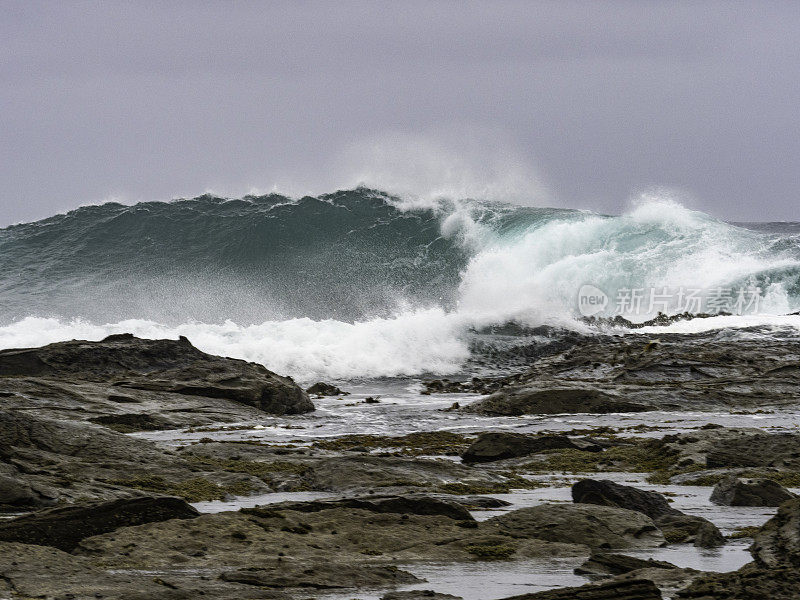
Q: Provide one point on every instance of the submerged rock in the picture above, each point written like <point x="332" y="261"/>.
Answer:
<point x="494" y="446"/>
<point x="65" y="527"/>
<point x="533" y="400"/>
<point x="735" y="491"/>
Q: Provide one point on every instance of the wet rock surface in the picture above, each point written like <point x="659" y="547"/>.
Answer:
<point x="734" y="491"/>
<point x="593" y="526"/>
<point x="698" y="371"/>
<point x="391" y="501"/>
<point x="603" y="565"/>
<point x="65" y="527"/>
<point x="676" y="526"/>
<point x="321" y="576"/>
<point x="533" y="400"/>
<point x="637" y="589"/>
<point x="325" y="389"/>
<point x="147" y="384"/>
<point x="490" y="447"/>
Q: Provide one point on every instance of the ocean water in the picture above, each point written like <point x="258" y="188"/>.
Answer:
<point x="359" y="284"/>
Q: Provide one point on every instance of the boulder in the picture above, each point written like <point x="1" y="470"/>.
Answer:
<point x="735" y="491"/>
<point x="593" y="526"/>
<point x="610" y="565"/>
<point x="634" y="589"/>
<point x="499" y="445"/>
<point x="676" y="526"/>
<point x="689" y="529"/>
<point x="159" y="365"/>
<point x="608" y="493"/>
<point x="65" y="527"/>
<point x="777" y="543"/>
<point x="533" y="400"/>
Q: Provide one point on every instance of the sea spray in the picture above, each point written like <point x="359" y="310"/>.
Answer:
<point x="362" y="284"/>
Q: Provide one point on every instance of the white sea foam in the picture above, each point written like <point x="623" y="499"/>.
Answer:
<point x="413" y="342"/>
<point x="531" y="275"/>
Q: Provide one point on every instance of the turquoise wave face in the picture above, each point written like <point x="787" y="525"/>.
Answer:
<point x="362" y="254"/>
<point x="345" y="255"/>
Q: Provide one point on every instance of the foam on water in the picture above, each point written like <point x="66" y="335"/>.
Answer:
<point x="360" y="284"/>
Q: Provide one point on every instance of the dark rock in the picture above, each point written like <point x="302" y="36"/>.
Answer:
<point x="129" y="422"/>
<point x="634" y="589"/>
<point x="328" y="575"/>
<point x="65" y="527"/>
<point x="699" y="371"/>
<point x="735" y="491"/>
<point x="480" y="502"/>
<point x="325" y="389"/>
<point x="476" y="385"/>
<point x="159" y="365"/>
<point x="593" y="526"/>
<point x="608" y="493"/>
<point x="499" y="445"/>
<point x="610" y="565"/>
<point x="677" y="527"/>
<point x="777" y="543"/>
<point x="689" y="529"/>
<point x="532" y="400"/>
<point x="409" y="505"/>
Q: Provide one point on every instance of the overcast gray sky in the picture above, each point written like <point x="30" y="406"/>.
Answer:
<point x="554" y="103"/>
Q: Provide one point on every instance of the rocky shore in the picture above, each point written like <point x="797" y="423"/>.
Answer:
<point x="89" y="508"/>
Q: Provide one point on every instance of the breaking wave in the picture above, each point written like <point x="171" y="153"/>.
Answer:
<point x="363" y="284"/>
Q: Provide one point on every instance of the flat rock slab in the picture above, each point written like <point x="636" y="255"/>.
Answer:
<point x="610" y="565"/>
<point x="408" y="505"/>
<point x="321" y="576"/>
